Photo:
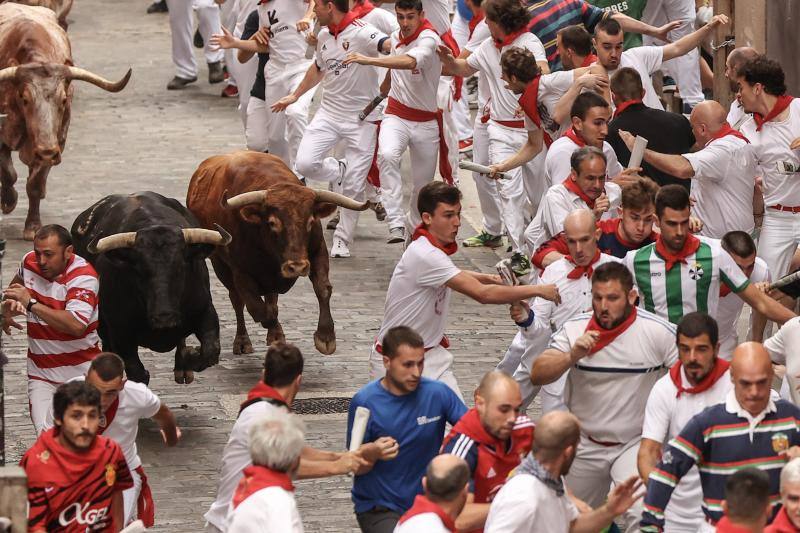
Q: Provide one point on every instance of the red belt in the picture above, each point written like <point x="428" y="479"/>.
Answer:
<point x="519" y="124"/>
<point x="450" y="42"/>
<point x="789" y="209"/>
<point x="444" y="343"/>
<point x="603" y="443"/>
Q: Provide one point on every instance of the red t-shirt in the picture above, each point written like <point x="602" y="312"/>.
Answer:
<point x="72" y="492"/>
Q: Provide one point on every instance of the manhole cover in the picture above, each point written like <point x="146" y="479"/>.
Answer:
<point x="321" y="406"/>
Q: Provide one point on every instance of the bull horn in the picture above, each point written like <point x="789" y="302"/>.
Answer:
<point x="220" y="237"/>
<point x="241" y="200"/>
<point x="62" y="13"/>
<point x="8" y="73"/>
<point x="112" y="242"/>
<point x="76" y="73"/>
<point x="340" y="200"/>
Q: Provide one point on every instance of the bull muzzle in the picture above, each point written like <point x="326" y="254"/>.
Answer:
<point x="48" y="155"/>
<point x="294" y="269"/>
<point x="220" y="237"/>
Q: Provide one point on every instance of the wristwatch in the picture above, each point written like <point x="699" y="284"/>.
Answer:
<point x="31" y="303"/>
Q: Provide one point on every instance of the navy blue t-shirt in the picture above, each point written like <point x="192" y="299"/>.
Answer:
<point x="417" y="422"/>
<point x="250" y="28"/>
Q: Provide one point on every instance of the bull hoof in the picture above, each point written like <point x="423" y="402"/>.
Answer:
<point x="325" y="347"/>
<point x="242" y="345"/>
<point x="184" y="377"/>
<point x="276" y="338"/>
<point x="8" y="200"/>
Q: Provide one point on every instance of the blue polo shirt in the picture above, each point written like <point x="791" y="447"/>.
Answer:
<point x="417" y="422"/>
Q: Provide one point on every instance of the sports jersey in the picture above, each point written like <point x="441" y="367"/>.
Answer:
<point x="549" y="16"/>
<point x="557" y="161"/>
<point x="551" y="87"/>
<point x="722" y="185"/>
<point x="416" y="421"/>
<point x="52" y="355"/>
<point x="691" y="284"/>
<point x="667" y="412"/>
<point x="479" y="34"/>
<point x="618" y="376"/>
<point x="779" y="166"/>
<point x="645" y="60"/>
<point x="785" y="341"/>
<point x="72" y="492"/>
<point x="730" y="307"/>
<point x="490" y="459"/>
<point x="503" y="103"/>
<point x="347" y="89"/>
<point x="721" y="440"/>
<point x="287" y="46"/>
<point x="631" y="8"/>
<point x="426" y="516"/>
<point x="417" y="296"/>
<point x="416" y="88"/>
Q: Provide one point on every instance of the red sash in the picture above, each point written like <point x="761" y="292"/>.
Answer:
<point x="450" y="42"/>
<point x="720" y="367"/>
<point x="423" y="505"/>
<point x="256" y="478"/>
<point x="145" y="506"/>
<point x="374" y="174"/>
<point x="689" y="247"/>
<point x="417" y="115"/>
<point x="589" y="60"/>
<point x="422" y="231"/>
<point x="108" y="416"/>
<point x="344" y="23"/>
<point x="780" y="105"/>
<point x="529" y="103"/>
<point x="586" y="270"/>
<point x="625" y="105"/>
<point x="572" y="187"/>
<point x="575" y="137"/>
<point x="607" y="336"/>
<point x="474" y="21"/>
<point x="727" y="130"/>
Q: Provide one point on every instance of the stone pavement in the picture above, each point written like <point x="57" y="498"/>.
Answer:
<point x="146" y="138"/>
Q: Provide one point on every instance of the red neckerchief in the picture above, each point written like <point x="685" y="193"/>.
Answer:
<point x="579" y="271"/>
<point x="262" y="390"/>
<point x="423" y="505"/>
<point x="423" y="25"/>
<point x="727" y="130"/>
<point x="720" y="367"/>
<point x="589" y="60"/>
<point x="364" y="8"/>
<point x="726" y="526"/>
<point x="607" y="336"/>
<point x="573" y="188"/>
<point x="780" y="105"/>
<point x="625" y="105"/>
<point x="781" y="524"/>
<point x="63" y="467"/>
<point x="260" y="477"/>
<point x="690" y="246"/>
<point x="510" y="38"/>
<point x="422" y="231"/>
<point x="109" y="415"/>
<point x="529" y="103"/>
<point x="474" y="21"/>
<point x="348" y="19"/>
<point x="471" y="426"/>
<point x="575" y="137"/>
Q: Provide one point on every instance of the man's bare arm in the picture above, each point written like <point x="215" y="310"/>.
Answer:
<point x="649" y="455"/>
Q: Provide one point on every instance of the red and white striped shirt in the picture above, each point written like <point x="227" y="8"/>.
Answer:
<point x="54" y="356"/>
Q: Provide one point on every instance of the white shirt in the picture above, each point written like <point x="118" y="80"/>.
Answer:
<point x="417" y="295"/>
<point x="526" y="505"/>
<point x="610" y="405"/>
<point x="480" y="34"/>
<point x="730" y="307"/>
<point x="347" y="89"/>
<point x="235" y="458"/>
<point x="486" y="59"/>
<point x="784" y="348"/>
<point x="722" y="186"/>
<point x="665" y="416"/>
<point x="559" y="202"/>
<point x="270" y="510"/>
<point x="737" y="115"/>
<point x="772" y="150"/>
<point x="385" y="21"/>
<point x="557" y="163"/>
<point x="425" y="522"/>
<point x="438" y="13"/>
<point x="287" y="46"/>
<point x="645" y="60"/>
<point x="551" y="88"/>
<point x="416" y="88"/>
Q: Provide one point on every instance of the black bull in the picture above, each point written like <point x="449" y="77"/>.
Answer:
<point x="154" y="286"/>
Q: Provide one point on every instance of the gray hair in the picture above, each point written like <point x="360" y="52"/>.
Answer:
<point x="791" y="472"/>
<point x="584" y="154"/>
<point x="276" y="440"/>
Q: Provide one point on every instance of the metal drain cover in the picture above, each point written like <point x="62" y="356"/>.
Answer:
<point x="321" y="406"/>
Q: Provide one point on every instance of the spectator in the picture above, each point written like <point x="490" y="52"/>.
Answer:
<point x="264" y="499"/>
<point x="746" y="504"/>
<point x="788" y="518"/>
<point x="736" y="60"/>
<point x="446" y="484"/>
<point x="574" y="45"/>
<point x="181" y="25"/>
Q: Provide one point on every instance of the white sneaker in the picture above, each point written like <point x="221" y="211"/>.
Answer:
<point x="396" y="235"/>
<point x="339" y="248"/>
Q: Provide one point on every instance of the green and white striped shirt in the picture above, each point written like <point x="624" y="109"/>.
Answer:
<point x="689" y="286"/>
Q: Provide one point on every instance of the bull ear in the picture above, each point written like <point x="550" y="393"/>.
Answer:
<point x="251" y="214"/>
<point x="324" y="209"/>
<point x="200" y="251"/>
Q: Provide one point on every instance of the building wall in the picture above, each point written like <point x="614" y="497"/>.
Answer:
<point x="783" y="37"/>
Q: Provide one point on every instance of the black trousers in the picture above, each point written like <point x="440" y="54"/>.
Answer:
<point x="378" y="520"/>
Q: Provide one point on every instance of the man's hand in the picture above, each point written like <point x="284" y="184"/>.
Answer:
<point x="795" y="144"/>
<point x="304" y="24"/>
<point x="550" y="293"/>
<point x="261" y="36"/>
<point x="169" y="441"/>
<point x="695" y="225"/>
<point x="19" y="293"/>
<point x="224" y="40"/>
<point x="583" y="345"/>
<point x="627" y="138"/>
<point x="601" y="205"/>
<point x="311" y="39"/>
<point x="661" y="32"/>
<point x="593" y="82"/>
<point x="283" y="103"/>
<point x="520" y="311"/>
<point x="763" y="286"/>
<point x="718" y="20"/>
<point x="11" y="308"/>
<point x="445" y="55"/>
<point x="351" y="462"/>
<point x="495" y="171"/>
<point x="389" y="448"/>
<point x="627" y="176"/>
<point x="624" y="495"/>
<point x="356" y="58"/>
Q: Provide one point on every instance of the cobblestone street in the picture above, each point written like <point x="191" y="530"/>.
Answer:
<point x="146" y="138"/>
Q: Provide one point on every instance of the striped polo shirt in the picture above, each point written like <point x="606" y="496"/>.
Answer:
<point x="549" y="16"/>
<point x="721" y="440"/>
<point x="692" y="285"/>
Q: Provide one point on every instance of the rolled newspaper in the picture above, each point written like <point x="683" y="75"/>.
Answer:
<point x="637" y="154"/>
<point x="480" y="169"/>
<point x="370" y="107"/>
<point x="359" y="428"/>
<point x="785" y="280"/>
<point x="311" y="49"/>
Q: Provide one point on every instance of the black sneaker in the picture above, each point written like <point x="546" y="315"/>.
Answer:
<point x="215" y="72"/>
<point x="177" y="83"/>
<point x="333" y="222"/>
<point x="158" y="7"/>
<point x="198" y="39"/>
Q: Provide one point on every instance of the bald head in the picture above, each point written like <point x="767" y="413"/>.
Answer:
<point x="581" y="234"/>
<point x="580" y="221"/>
<point x="736" y="60"/>
<point x="556" y="430"/>
<point x="707" y="118"/>
<point x="446" y="477"/>
<point x="498" y="402"/>
<point x="750" y="356"/>
<point x="751" y="372"/>
<point x="496" y="383"/>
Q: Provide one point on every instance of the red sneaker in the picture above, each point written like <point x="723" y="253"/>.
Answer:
<point x="465" y="145"/>
<point x="230" y="91"/>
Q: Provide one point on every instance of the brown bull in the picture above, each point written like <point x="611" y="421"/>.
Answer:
<point x="60" y="7"/>
<point x="36" y="72"/>
<point x="277" y="237"/>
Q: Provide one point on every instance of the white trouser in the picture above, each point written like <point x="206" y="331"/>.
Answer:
<point x="321" y="136"/>
<point x="552" y="395"/>
<point x="444" y="100"/>
<point x="780" y="235"/>
<point x="280" y="81"/>
<point x="460" y="29"/>
<point x="130" y="498"/>
<point x="487" y="188"/>
<point x="685" y="69"/>
<point x="536" y="180"/>
<point x="705" y="527"/>
<point x="597" y="467"/>
<point x="503" y="143"/>
<point x="244" y="74"/>
<point x="181" y="27"/>
<point x="438" y="366"/>
<point x="257" y="128"/>
<point x="40" y="401"/>
<point x="422" y="140"/>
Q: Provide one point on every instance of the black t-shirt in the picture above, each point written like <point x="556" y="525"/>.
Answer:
<point x="250" y="28"/>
